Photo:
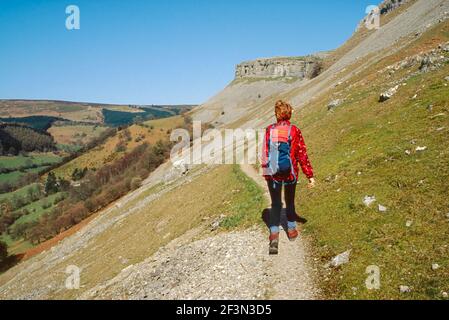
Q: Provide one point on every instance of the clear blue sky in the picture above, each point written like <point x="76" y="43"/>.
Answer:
<point x="156" y="51"/>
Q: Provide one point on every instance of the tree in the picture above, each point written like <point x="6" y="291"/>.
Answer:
<point x="63" y="184"/>
<point x="3" y="251"/>
<point x="78" y="174"/>
<point x="51" y="186"/>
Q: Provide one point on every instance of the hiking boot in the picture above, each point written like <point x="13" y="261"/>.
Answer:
<point x="274" y="243"/>
<point x="292" y="234"/>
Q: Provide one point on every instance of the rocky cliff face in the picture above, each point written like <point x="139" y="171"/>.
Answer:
<point x="300" y="67"/>
<point x="385" y="8"/>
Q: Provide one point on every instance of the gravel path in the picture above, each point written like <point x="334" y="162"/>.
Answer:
<point x="291" y="268"/>
<point x="233" y="265"/>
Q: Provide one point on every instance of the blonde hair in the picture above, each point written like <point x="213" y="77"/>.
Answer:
<point x="283" y="110"/>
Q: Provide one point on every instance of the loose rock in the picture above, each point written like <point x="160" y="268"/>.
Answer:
<point x="420" y="149"/>
<point x="369" y="200"/>
<point x="435" y="266"/>
<point x="388" y="94"/>
<point x="334" y="104"/>
<point x="341" y="259"/>
<point x="404" y="289"/>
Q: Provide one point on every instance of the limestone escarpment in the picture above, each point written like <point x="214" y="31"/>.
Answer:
<point x="297" y="67"/>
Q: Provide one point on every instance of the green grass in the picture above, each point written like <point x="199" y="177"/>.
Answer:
<point x="369" y="137"/>
<point x="15" y="246"/>
<point x="18" y="161"/>
<point x="43" y="161"/>
<point x="11" y="177"/>
<point x="37" y="209"/>
<point x="68" y="148"/>
<point x="20" y="193"/>
<point x="246" y="209"/>
<point x="16" y="175"/>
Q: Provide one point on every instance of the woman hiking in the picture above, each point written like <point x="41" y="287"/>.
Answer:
<point x="284" y="152"/>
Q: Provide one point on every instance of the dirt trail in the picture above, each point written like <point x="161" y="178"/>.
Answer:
<point x="228" y="265"/>
<point x="291" y="268"/>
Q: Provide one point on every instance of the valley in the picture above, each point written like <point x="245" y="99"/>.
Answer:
<point x="45" y="157"/>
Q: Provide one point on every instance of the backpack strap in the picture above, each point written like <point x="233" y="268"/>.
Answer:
<point x="295" y="178"/>
<point x="269" y="144"/>
<point x="290" y="134"/>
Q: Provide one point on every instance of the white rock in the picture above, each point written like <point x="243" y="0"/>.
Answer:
<point x="369" y="200"/>
<point x="341" y="259"/>
<point x="388" y="94"/>
<point x="333" y="104"/>
<point x="435" y="266"/>
<point x="404" y="289"/>
<point x="215" y="225"/>
<point x="382" y="208"/>
<point x="409" y="223"/>
<point x="408" y="152"/>
<point x="419" y="149"/>
<point x="444" y="294"/>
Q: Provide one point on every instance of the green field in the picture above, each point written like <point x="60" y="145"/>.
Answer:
<point x="37" y="209"/>
<point x="20" y="161"/>
<point x="21" y="193"/>
<point x="25" y="164"/>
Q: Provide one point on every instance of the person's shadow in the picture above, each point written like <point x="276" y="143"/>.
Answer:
<point x="266" y="218"/>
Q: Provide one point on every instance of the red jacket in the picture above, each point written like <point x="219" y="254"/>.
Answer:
<point x="298" y="153"/>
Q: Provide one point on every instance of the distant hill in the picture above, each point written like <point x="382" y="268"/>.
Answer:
<point x="41" y="123"/>
<point x="109" y="114"/>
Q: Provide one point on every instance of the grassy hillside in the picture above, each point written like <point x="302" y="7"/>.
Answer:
<point x="36" y="210"/>
<point x="75" y="134"/>
<point x="150" y="132"/>
<point x="61" y="109"/>
<point x="141" y="228"/>
<point x="17" y="162"/>
<point x="368" y="148"/>
<point x="20" y="193"/>
<point x="26" y="210"/>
